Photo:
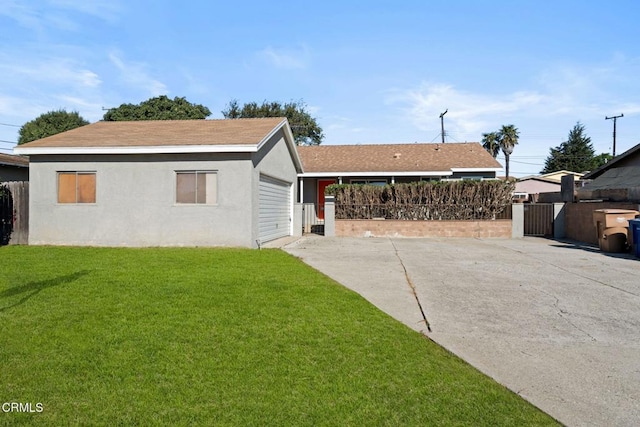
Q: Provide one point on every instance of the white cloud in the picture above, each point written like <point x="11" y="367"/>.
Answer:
<point x="107" y="10"/>
<point x="136" y="75"/>
<point x="562" y="92"/>
<point x="289" y="59"/>
<point x="40" y="15"/>
<point x="24" y="15"/>
<point x="61" y="71"/>
<point x="468" y="112"/>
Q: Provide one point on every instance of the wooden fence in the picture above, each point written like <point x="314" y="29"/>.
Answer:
<point x="14" y="213"/>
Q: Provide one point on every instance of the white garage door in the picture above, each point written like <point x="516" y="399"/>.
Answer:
<point x="275" y="209"/>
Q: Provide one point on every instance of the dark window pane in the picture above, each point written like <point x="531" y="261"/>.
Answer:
<point x="201" y="188"/>
<point x="186" y="187"/>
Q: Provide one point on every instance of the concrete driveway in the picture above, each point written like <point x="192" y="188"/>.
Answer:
<point x="557" y="323"/>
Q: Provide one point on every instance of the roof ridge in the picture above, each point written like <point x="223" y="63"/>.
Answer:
<point x="392" y="144"/>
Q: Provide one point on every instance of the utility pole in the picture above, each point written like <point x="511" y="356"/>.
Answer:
<point x="615" y="118"/>
<point x="442" y="123"/>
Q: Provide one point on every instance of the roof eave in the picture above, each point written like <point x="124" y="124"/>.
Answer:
<point x="162" y="149"/>
<point x="377" y="173"/>
<point x="599" y="171"/>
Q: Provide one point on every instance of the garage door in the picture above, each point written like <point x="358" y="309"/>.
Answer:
<point x="275" y="209"/>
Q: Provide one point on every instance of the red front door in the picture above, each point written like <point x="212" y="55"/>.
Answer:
<point x="322" y="184"/>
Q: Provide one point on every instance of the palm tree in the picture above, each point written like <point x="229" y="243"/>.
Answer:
<point x="508" y="139"/>
<point x="490" y="143"/>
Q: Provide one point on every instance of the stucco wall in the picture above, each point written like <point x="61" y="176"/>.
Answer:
<point x="579" y="219"/>
<point x="273" y="160"/>
<point x="532" y="186"/>
<point x="135" y="202"/>
<point x="397" y="228"/>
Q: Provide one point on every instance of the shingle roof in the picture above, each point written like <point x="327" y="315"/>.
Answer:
<point x="163" y="133"/>
<point x="11" y="160"/>
<point x="615" y="162"/>
<point x="395" y="157"/>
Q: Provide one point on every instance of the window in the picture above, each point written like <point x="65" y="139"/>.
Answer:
<point x="197" y="187"/>
<point x="76" y="187"/>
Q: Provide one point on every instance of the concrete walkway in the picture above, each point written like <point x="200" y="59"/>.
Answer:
<point x="557" y="323"/>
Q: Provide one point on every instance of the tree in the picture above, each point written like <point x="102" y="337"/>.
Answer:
<point x="48" y="124"/>
<point x="575" y="154"/>
<point x="508" y="139"/>
<point x="306" y="130"/>
<point x="490" y="143"/>
<point x="158" y="108"/>
<point x="601" y="159"/>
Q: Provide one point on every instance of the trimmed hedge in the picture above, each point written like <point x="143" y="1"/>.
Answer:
<point x="423" y="200"/>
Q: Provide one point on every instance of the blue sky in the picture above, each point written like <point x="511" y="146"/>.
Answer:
<point x="370" y="72"/>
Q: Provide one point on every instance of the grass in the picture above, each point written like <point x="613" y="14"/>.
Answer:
<point x="104" y="336"/>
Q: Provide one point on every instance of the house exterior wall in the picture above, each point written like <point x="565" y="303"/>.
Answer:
<point x="136" y="202"/>
<point x="632" y="160"/>
<point x="536" y="187"/>
<point x="275" y="161"/>
<point x="12" y="173"/>
<point x="579" y="219"/>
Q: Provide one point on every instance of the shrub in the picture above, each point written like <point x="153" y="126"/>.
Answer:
<point x="423" y="200"/>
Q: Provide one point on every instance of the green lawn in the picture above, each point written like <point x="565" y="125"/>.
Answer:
<point x="219" y="337"/>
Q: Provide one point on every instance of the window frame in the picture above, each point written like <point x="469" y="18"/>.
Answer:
<point x="78" y="196"/>
<point x="207" y="192"/>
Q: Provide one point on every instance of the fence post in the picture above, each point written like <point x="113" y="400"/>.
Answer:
<point x="329" y="216"/>
<point x="517" y="220"/>
<point x="297" y="220"/>
<point x="558" y="221"/>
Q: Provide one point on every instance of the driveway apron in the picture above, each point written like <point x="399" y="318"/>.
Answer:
<point x="557" y="323"/>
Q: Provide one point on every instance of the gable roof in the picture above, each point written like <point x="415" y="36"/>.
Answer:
<point x="552" y="178"/>
<point x="557" y="175"/>
<point x="238" y="133"/>
<point x="540" y="178"/>
<point x="166" y="136"/>
<point x="16" y="161"/>
<point x="599" y="171"/>
<point x="397" y="159"/>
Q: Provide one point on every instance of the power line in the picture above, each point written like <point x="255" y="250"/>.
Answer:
<point x="7" y="142"/>
<point x="7" y="124"/>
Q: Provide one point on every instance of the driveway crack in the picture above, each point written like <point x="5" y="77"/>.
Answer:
<point x="411" y="286"/>
<point x="562" y="312"/>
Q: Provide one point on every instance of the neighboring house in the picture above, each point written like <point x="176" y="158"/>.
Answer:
<point x="381" y="164"/>
<point x="529" y="187"/>
<point x="13" y="168"/>
<point x="617" y="180"/>
<point x="164" y="183"/>
<point x="557" y="175"/>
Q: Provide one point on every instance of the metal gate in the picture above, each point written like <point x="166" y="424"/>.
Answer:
<point x="275" y="209"/>
<point x="538" y="219"/>
<point x="310" y="221"/>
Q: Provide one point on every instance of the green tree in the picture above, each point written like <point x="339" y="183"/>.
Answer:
<point x="158" y="108"/>
<point x="306" y="130"/>
<point x="601" y="159"/>
<point x="48" y="124"/>
<point x="490" y="143"/>
<point x="508" y="139"/>
<point x="575" y="154"/>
